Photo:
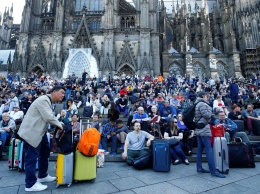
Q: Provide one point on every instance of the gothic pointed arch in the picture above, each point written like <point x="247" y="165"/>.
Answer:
<point x="83" y="38"/>
<point x="176" y="68"/>
<point x="222" y="68"/>
<point x="145" y="65"/>
<point x="126" y="56"/>
<point x="107" y="64"/>
<point x="199" y="69"/>
<point x="127" y="69"/>
<point x="39" y="57"/>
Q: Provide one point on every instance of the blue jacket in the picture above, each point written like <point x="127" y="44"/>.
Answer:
<point x="227" y="123"/>
<point x="164" y="112"/>
<point x="234" y="88"/>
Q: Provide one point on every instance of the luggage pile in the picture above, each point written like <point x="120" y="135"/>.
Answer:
<point x="16" y="154"/>
<point x="77" y="162"/>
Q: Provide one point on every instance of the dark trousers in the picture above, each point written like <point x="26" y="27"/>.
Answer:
<point x="104" y="141"/>
<point x="42" y="152"/>
<point x="133" y="154"/>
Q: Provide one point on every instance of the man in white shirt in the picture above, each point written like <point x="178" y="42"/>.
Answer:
<point x="16" y="114"/>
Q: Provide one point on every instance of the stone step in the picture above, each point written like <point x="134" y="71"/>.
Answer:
<point x="117" y="158"/>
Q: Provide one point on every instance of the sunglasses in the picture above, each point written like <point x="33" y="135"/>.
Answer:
<point x="175" y="122"/>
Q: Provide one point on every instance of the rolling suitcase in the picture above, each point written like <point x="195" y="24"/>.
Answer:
<point x="21" y="166"/>
<point x="14" y="152"/>
<point x="85" y="167"/>
<point x="240" y="125"/>
<point x="161" y="156"/>
<point x="220" y="154"/>
<point x="88" y="111"/>
<point x="256" y="127"/>
<point x="65" y="159"/>
<point x="64" y="169"/>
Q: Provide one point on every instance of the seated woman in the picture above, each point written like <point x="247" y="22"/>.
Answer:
<point x="105" y="105"/>
<point x="62" y="117"/>
<point x="219" y="106"/>
<point x="173" y="132"/>
<point x="75" y="124"/>
<point x="188" y="135"/>
<point x="155" y="120"/>
<point x="113" y="113"/>
<point x="71" y="109"/>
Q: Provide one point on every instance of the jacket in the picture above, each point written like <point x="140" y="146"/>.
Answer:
<point x="35" y="122"/>
<point x="202" y="115"/>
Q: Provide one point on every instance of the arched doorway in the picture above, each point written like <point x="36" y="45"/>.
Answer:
<point x="126" y="69"/>
<point x="175" y="70"/>
<point x="80" y="60"/>
<point x="198" y="70"/>
<point x="38" y="70"/>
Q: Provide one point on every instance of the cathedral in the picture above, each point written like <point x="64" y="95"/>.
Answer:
<point x="220" y="38"/>
<point x="102" y="37"/>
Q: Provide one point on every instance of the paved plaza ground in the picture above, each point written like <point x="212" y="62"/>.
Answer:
<point x="118" y="177"/>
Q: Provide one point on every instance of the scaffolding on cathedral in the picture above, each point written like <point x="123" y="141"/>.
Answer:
<point x="250" y="61"/>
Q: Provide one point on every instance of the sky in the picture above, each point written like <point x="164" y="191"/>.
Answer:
<point x="18" y="8"/>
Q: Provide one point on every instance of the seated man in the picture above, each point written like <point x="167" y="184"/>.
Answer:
<point x="121" y="132"/>
<point x="142" y="118"/>
<point x="7" y="126"/>
<point x="109" y="134"/>
<point x="78" y="100"/>
<point x="231" y="128"/>
<point x="135" y="143"/>
<point x="235" y="114"/>
<point x="121" y="105"/>
<point x="94" y="103"/>
<point x="250" y="114"/>
<point x="167" y="112"/>
<point x="16" y="114"/>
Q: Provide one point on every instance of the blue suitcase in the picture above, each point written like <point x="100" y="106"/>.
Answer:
<point x="161" y="156"/>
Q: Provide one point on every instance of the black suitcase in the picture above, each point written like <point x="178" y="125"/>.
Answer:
<point x="241" y="155"/>
<point x="256" y="127"/>
<point x="161" y="156"/>
<point x="240" y="125"/>
<point x="88" y="111"/>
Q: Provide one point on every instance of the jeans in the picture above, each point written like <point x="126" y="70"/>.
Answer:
<point x="176" y="151"/>
<point x="42" y="152"/>
<point x="133" y="154"/>
<point x="124" y="109"/>
<point x="104" y="141"/>
<point x="204" y="142"/>
<point x="4" y="136"/>
<point x="67" y="95"/>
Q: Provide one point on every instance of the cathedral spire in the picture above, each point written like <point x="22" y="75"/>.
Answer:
<point x="12" y="10"/>
<point x="173" y="9"/>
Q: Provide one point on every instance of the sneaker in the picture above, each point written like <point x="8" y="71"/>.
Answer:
<point x="37" y="187"/>
<point x="203" y="171"/>
<point x="122" y="146"/>
<point x="218" y="175"/>
<point x="107" y="153"/>
<point x="186" y="162"/>
<point x="113" y="153"/>
<point x="251" y="133"/>
<point x="48" y="178"/>
<point x="176" y="162"/>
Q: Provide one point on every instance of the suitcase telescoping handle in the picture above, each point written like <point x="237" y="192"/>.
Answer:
<point x="80" y="128"/>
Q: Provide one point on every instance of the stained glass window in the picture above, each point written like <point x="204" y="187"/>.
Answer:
<point x="92" y="5"/>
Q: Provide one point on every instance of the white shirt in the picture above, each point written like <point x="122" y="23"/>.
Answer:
<point x="16" y="115"/>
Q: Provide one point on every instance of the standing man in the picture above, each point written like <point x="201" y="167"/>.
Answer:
<point x="135" y="143"/>
<point x="233" y="88"/>
<point x="203" y="114"/>
<point x="33" y="131"/>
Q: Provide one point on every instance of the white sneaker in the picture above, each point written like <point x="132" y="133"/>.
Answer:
<point x="37" y="187"/>
<point x="107" y="153"/>
<point x="48" y="178"/>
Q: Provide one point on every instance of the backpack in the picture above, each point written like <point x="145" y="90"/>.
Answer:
<point x="89" y="141"/>
<point x="64" y="142"/>
<point x="188" y="117"/>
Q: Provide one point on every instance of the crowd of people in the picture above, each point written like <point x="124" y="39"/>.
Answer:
<point x="156" y="103"/>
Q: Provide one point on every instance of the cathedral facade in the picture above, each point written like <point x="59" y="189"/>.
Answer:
<point x="208" y="36"/>
<point x="220" y="38"/>
<point x="102" y="37"/>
